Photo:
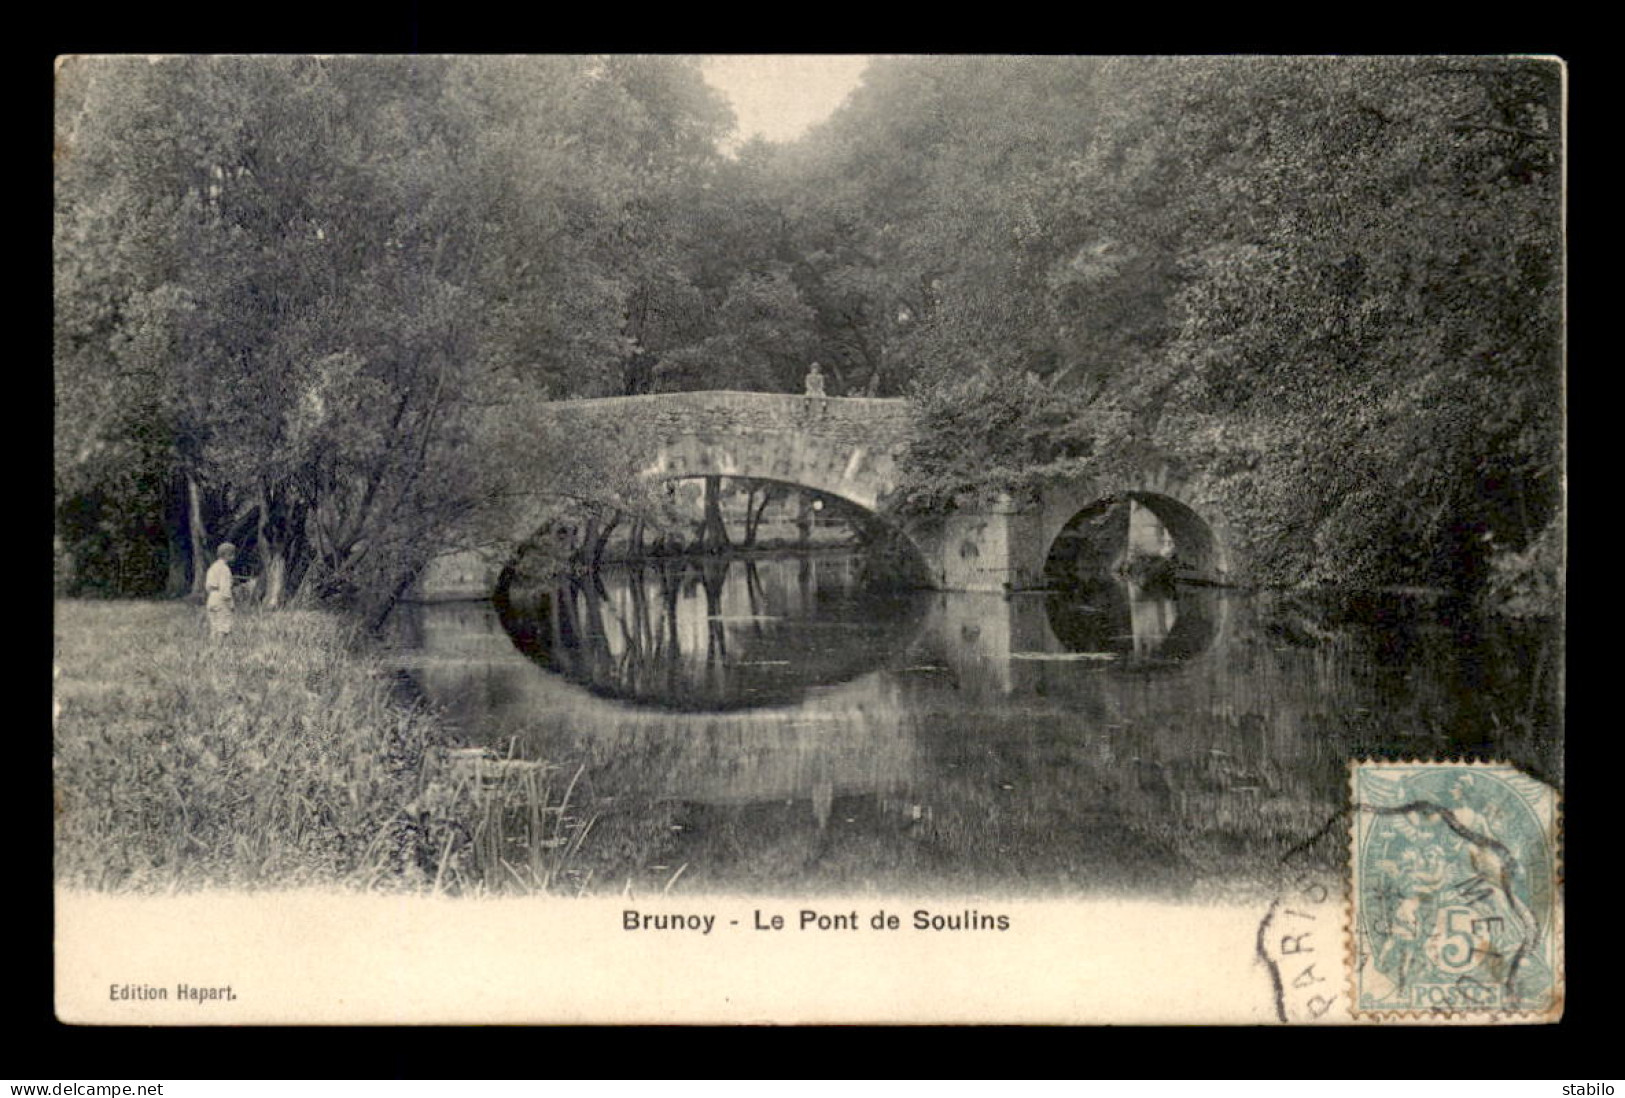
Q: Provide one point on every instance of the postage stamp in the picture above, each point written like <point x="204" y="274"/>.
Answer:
<point x="1455" y="898"/>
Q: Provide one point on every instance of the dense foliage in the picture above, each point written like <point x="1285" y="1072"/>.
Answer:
<point x="1330" y="286"/>
<point x="309" y="304"/>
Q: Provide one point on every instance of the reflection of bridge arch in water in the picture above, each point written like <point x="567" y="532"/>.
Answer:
<point x="1023" y="645"/>
<point x="713" y="634"/>
<point x="863" y="738"/>
<point x="1141" y="625"/>
<point x="856" y="737"/>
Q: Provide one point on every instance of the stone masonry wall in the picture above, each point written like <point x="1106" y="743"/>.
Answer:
<point x="878" y="423"/>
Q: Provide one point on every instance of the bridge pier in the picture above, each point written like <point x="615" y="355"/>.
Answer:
<point x="980" y="633"/>
<point x="990" y="549"/>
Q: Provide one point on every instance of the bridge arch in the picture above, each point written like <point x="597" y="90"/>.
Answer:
<point x="859" y="474"/>
<point x="812" y="449"/>
<point x="1163" y="521"/>
<point x="897" y="545"/>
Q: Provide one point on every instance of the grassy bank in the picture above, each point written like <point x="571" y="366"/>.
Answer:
<point x="286" y="756"/>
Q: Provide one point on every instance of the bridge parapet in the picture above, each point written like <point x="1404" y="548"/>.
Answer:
<point x="878" y="422"/>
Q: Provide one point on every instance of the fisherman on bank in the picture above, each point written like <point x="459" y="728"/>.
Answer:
<point x="218" y="583"/>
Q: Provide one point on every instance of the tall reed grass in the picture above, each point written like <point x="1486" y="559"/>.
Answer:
<point x="287" y="755"/>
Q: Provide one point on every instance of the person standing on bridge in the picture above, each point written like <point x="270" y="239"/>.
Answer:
<point x="815" y="390"/>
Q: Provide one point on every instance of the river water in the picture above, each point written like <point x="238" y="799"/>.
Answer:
<point x="783" y="726"/>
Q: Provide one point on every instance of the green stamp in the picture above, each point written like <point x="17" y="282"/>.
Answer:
<point x="1456" y="903"/>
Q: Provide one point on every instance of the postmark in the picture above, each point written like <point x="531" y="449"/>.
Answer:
<point x="1455" y="905"/>
<point x="1300" y="940"/>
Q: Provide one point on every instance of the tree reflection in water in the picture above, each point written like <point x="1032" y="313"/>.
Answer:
<point x="716" y="633"/>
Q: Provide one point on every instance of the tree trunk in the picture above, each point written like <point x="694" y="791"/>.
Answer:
<point x="749" y="539"/>
<point x="175" y="585"/>
<point x="671" y="578"/>
<point x="754" y="513"/>
<point x="403" y="584"/>
<point x="602" y="541"/>
<point x="175" y="507"/>
<point x="268" y="555"/>
<point x="276" y="579"/>
<point x="283" y="548"/>
<point x="713" y="530"/>
<point x="753" y="589"/>
<point x="199" y="535"/>
<point x="580" y="553"/>
<point x="712" y="574"/>
<point x="273" y="563"/>
<point x="804" y="520"/>
<point x="642" y="627"/>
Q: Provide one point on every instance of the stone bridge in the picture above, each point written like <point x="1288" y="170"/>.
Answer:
<point x="850" y="448"/>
